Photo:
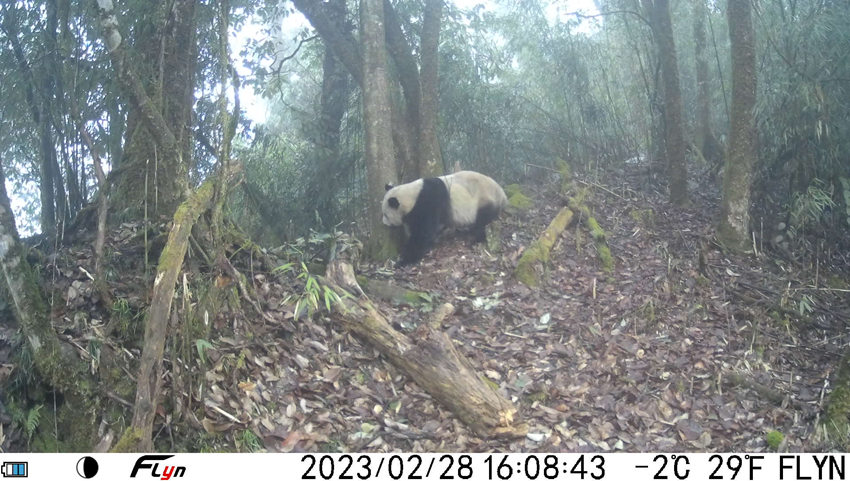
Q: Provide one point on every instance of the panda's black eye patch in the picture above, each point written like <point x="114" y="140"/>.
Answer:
<point x="393" y="202"/>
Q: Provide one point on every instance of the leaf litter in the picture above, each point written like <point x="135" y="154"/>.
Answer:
<point x="655" y="356"/>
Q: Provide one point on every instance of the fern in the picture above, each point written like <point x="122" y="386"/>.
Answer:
<point x="33" y="420"/>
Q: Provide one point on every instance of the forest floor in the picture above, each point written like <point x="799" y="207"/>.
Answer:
<point x="661" y="354"/>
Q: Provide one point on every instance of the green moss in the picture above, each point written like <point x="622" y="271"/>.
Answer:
<point x="595" y="230"/>
<point x="605" y="257"/>
<point x="774" y="439"/>
<point x="516" y="198"/>
<point x="538" y="396"/>
<point x="415" y="298"/>
<point x="520" y="202"/>
<point x="493" y="385"/>
<point x="538" y="252"/>
<point x="129" y="441"/>
<point x="525" y="268"/>
<point x="644" y="217"/>
<point x="566" y="175"/>
<point x="513" y="189"/>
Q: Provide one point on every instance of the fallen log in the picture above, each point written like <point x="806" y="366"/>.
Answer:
<point x="430" y="360"/>
<point x="393" y="293"/>
<point x="537" y="254"/>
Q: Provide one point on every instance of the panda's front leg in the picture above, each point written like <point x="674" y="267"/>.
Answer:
<point x="419" y="241"/>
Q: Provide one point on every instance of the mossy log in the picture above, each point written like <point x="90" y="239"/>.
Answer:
<point x="431" y="361"/>
<point x="156" y="323"/>
<point x="537" y="253"/>
<point x="597" y="233"/>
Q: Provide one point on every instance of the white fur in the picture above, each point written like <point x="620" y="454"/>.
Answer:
<point x="406" y="195"/>
<point x="468" y="191"/>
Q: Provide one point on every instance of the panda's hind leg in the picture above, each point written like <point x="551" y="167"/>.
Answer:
<point x="486" y="214"/>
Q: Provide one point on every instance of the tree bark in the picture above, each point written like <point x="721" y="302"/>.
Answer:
<point x="737" y="176"/>
<point x="662" y="29"/>
<point x="336" y="36"/>
<point x="380" y="167"/>
<point x="336" y="88"/>
<point x="705" y="141"/>
<point x="430" y="159"/>
<point x="406" y="116"/>
<point x="57" y="362"/>
<point x="153" y="171"/>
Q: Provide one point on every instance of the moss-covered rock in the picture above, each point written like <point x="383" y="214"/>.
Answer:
<point x="516" y="198"/>
<point x="774" y="439"/>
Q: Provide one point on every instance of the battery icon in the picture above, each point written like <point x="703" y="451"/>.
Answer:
<point x="14" y="470"/>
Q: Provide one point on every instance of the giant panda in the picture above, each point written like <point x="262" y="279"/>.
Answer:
<point x="425" y="206"/>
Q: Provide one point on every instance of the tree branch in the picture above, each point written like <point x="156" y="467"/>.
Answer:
<point x="130" y="81"/>
<point x="336" y="36"/>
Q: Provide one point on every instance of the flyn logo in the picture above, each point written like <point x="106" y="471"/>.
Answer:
<point x="163" y="472"/>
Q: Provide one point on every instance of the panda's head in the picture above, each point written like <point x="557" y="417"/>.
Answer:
<point x="399" y="201"/>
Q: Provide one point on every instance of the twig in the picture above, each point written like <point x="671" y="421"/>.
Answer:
<point x="598" y="186"/>
<point x="119" y="399"/>
<point x="239" y="277"/>
<point x="225" y="413"/>
<point x="294" y="53"/>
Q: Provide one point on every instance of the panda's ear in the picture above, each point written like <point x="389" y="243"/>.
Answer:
<point x="388" y="187"/>
<point x="393" y="202"/>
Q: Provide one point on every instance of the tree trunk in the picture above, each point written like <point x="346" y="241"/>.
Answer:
<point x="675" y="140"/>
<point x="406" y="116"/>
<point x="336" y="88"/>
<point x="705" y="141"/>
<point x="737" y="176"/>
<point x="38" y="110"/>
<point x="57" y="362"/>
<point x="380" y="166"/>
<point x="430" y="159"/>
<point x="154" y="177"/>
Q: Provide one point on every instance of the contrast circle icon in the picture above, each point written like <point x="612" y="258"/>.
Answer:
<point x="87" y="467"/>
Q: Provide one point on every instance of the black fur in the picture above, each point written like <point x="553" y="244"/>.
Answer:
<point x="486" y="214"/>
<point x="430" y="213"/>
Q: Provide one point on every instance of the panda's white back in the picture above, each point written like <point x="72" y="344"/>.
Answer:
<point x="469" y="192"/>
